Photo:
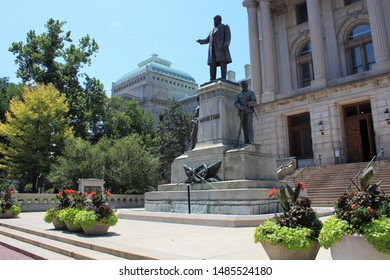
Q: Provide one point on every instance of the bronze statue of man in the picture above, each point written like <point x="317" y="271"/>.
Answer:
<point x="245" y="101"/>
<point x="219" y="54"/>
<point x="195" y="124"/>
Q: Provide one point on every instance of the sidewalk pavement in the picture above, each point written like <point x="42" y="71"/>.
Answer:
<point x="163" y="240"/>
<point x="12" y="254"/>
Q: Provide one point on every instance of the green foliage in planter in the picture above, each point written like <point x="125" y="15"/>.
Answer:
<point x="7" y="202"/>
<point x="51" y="213"/>
<point x="298" y="238"/>
<point x="378" y="234"/>
<point x="333" y="230"/>
<point x="15" y="210"/>
<point x="69" y="214"/>
<point x="88" y="218"/>
<point x="111" y="220"/>
<point x="301" y="215"/>
<point x="365" y="211"/>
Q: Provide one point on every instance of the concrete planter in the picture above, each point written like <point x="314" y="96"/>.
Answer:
<point x="71" y="227"/>
<point x="6" y="215"/>
<point x="355" y="248"/>
<point x="97" y="229"/>
<point x="58" y="224"/>
<point x="277" y="252"/>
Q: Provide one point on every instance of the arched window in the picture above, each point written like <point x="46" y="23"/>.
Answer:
<point x="360" y="49"/>
<point x="305" y="66"/>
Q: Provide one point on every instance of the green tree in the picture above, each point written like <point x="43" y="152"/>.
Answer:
<point x="80" y="159"/>
<point x="52" y="58"/>
<point x="7" y="92"/>
<point x="35" y="130"/>
<point x="95" y="104"/>
<point x="124" y="164"/>
<point x="174" y="130"/>
<point x="130" y="168"/>
<point x="124" y="118"/>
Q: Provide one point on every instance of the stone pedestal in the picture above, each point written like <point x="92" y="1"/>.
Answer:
<point x="246" y="162"/>
<point x="91" y="185"/>
<point x="247" y="172"/>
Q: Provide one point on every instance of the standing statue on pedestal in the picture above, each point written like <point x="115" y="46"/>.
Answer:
<point x="245" y="101"/>
<point x="195" y="124"/>
<point x="219" y="54"/>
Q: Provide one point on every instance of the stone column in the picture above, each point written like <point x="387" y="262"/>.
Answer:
<point x="254" y="47"/>
<point x="317" y="43"/>
<point x="378" y="30"/>
<point x="269" y="52"/>
<point x="248" y="71"/>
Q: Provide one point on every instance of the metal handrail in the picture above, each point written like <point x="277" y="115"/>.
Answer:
<point x="379" y="156"/>
<point x="308" y="169"/>
<point x="353" y="181"/>
<point x="370" y="163"/>
<point x="374" y="159"/>
<point x="285" y="164"/>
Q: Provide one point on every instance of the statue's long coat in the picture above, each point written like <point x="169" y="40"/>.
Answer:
<point x="219" y="38"/>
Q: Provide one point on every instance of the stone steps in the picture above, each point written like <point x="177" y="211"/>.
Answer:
<point x="29" y="249"/>
<point x="49" y="246"/>
<point x="326" y="183"/>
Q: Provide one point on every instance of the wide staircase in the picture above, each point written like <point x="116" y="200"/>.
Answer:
<point x="326" y="183"/>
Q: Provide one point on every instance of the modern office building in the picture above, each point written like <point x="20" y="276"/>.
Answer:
<point x="321" y="73"/>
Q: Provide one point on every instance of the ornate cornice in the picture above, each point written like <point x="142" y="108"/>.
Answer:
<point x="279" y="9"/>
<point x="250" y="4"/>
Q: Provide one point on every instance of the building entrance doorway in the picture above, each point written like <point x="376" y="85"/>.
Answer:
<point x="359" y="132"/>
<point x="300" y="140"/>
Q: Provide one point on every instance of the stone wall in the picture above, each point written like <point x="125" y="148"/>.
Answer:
<point x="326" y="105"/>
<point x="35" y="202"/>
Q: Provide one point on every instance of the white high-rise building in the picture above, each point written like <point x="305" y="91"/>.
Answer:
<point x="153" y="83"/>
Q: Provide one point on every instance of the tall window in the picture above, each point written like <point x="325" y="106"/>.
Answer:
<point x="360" y="49"/>
<point x="305" y="66"/>
<point x="301" y="11"/>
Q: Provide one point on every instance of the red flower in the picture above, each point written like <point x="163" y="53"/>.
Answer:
<point x="92" y="194"/>
<point x="85" y="194"/>
<point x="69" y="192"/>
<point x="60" y="193"/>
<point x="272" y="192"/>
<point x="108" y="193"/>
<point x="11" y="191"/>
<point x="302" y="186"/>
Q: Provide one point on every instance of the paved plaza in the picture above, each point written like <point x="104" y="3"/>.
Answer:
<point x="140" y="239"/>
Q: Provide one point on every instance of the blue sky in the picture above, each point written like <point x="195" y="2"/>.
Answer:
<point x="130" y="31"/>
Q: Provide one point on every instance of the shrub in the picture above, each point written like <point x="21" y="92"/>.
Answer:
<point x="378" y="234"/>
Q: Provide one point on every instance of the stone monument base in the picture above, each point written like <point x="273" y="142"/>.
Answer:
<point x="247" y="172"/>
<point x="236" y="197"/>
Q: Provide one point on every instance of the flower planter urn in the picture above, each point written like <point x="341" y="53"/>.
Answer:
<point x="6" y="215"/>
<point x="71" y="227"/>
<point x="277" y="252"/>
<point x="355" y="248"/>
<point x="58" y="224"/>
<point x="97" y="229"/>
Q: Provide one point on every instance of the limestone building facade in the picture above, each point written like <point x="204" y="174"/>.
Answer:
<point x="321" y="73"/>
<point x="153" y="83"/>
